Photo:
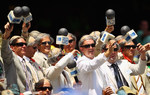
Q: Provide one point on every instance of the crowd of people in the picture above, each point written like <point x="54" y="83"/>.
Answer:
<point x="31" y="65"/>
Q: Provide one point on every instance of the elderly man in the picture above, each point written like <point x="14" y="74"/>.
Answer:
<point x="56" y="73"/>
<point x="17" y="72"/>
<point x="93" y="81"/>
<point x="44" y="46"/>
<point x="36" y="70"/>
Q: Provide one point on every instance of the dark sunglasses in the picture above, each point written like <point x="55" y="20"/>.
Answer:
<point x="115" y="49"/>
<point x="88" y="46"/>
<point x="44" y="43"/>
<point x="44" y="88"/>
<point x="129" y="46"/>
<point x="34" y="47"/>
<point x="70" y="41"/>
<point x="20" y="44"/>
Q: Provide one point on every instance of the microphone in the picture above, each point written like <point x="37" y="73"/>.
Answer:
<point x="15" y="16"/>
<point x="27" y="16"/>
<point x="105" y="37"/>
<point x="72" y="66"/>
<point x="61" y="38"/>
<point x="110" y="17"/>
<point x="128" y="34"/>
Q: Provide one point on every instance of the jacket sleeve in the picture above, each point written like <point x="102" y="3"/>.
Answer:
<point x="138" y="68"/>
<point x="86" y="65"/>
<point x="54" y="71"/>
<point x="6" y="52"/>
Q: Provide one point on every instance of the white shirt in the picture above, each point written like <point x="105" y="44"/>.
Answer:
<point x="90" y="76"/>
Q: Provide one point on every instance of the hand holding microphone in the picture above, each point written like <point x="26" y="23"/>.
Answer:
<point x="105" y="37"/>
<point x="8" y="29"/>
<point x="109" y="28"/>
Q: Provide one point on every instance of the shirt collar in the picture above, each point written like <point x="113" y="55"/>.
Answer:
<point x="21" y="59"/>
<point x="109" y="64"/>
<point x="26" y="58"/>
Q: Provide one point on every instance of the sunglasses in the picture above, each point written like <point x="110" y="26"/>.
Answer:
<point x="129" y="46"/>
<point x="44" y="88"/>
<point x="88" y="45"/>
<point x="70" y="41"/>
<point x="20" y="44"/>
<point x="115" y="49"/>
<point x="47" y="42"/>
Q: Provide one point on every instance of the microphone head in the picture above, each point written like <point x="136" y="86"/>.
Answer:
<point x="110" y="13"/>
<point x="26" y="11"/>
<point x="18" y="11"/>
<point x="124" y="29"/>
<point x="63" y="31"/>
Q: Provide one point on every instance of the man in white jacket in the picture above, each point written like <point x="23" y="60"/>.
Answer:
<point x="93" y="82"/>
<point x="56" y="73"/>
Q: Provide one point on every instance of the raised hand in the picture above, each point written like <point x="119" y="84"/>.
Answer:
<point x="8" y="29"/>
<point x="142" y="51"/>
<point x="74" y="52"/>
<point x="109" y="28"/>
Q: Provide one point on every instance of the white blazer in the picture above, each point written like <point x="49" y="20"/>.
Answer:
<point x="126" y="68"/>
<point x="54" y="74"/>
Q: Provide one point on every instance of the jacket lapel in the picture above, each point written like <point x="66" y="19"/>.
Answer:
<point x="109" y="73"/>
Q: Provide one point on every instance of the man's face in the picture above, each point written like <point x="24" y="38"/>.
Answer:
<point x="45" y="89"/>
<point x="88" y="48"/>
<point x="114" y="55"/>
<point x="71" y="45"/>
<point x="20" y="47"/>
<point x="129" y="49"/>
<point x="45" y="45"/>
<point x="30" y="50"/>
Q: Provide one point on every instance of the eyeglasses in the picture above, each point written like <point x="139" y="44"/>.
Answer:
<point x="115" y="49"/>
<point x="34" y="47"/>
<point x="47" y="42"/>
<point x="44" y="88"/>
<point x="129" y="46"/>
<point x="70" y="41"/>
<point x="20" y="44"/>
<point x="88" y="45"/>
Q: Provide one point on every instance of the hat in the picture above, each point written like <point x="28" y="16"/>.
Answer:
<point x="125" y="90"/>
<point x="13" y="38"/>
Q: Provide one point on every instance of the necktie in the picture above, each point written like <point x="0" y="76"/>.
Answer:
<point x="28" y="76"/>
<point x="117" y="75"/>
